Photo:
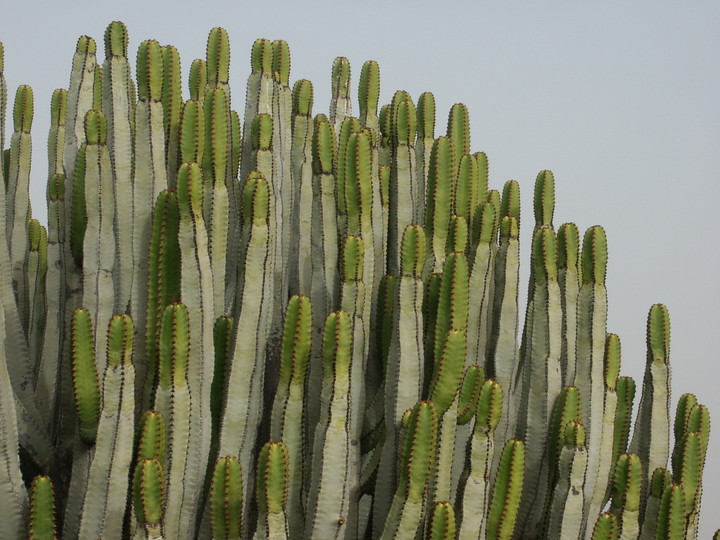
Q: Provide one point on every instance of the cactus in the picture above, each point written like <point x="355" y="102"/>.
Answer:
<point x="346" y="288"/>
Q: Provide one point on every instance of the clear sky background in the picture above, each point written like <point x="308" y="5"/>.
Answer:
<point x="618" y="99"/>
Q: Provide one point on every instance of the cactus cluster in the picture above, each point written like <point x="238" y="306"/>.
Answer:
<point x="284" y="325"/>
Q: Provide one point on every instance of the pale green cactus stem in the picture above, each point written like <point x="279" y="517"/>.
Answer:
<point x="173" y="401"/>
<point x="245" y="377"/>
<point x="340" y="104"/>
<point x="689" y="475"/>
<point x="97" y="87"/>
<point x="107" y="486"/>
<point x="216" y="207"/>
<point x="36" y="275"/>
<point x="439" y="199"/>
<point x="606" y="527"/>
<point x="273" y="472"/>
<point x="196" y="291"/>
<point x="623" y="417"/>
<point x="301" y="256"/>
<point x="403" y="201"/>
<point x="79" y="100"/>
<point x="353" y="301"/>
<point x="481" y="183"/>
<point x="442" y="522"/>
<point x="98" y="241"/>
<point x="13" y="495"/>
<point x="651" y="434"/>
<point x="324" y="222"/>
<point x="502" y="353"/>
<point x="197" y="79"/>
<point x="42" y="509"/>
<point x="627" y="493"/>
<point x="565" y="515"/>
<point x="226" y="499"/>
<point x="147" y="483"/>
<point x="282" y="165"/>
<point x="506" y="492"/>
<point x="569" y="279"/>
<point x="600" y="467"/>
<point x="671" y="515"/>
<point x="258" y="99"/>
<point x="56" y="137"/>
<point x="481" y="283"/>
<point x="475" y="485"/>
<point x="423" y="147"/>
<point x="148" y="497"/>
<point x="328" y="503"/>
<point x="150" y="169"/>
<point x="359" y="204"/>
<point x="695" y="418"/>
<point x="18" y="197"/>
<point x="566" y="410"/>
<point x="444" y="393"/>
<point x="288" y="411"/>
<point x="453" y="300"/>
<point x="369" y="95"/>
<point x="349" y="126"/>
<point x="591" y="335"/>
<point x="417" y="458"/>
<point x="403" y="384"/>
<point x="218" y="60"/>
<point x="542" y="375"/>
<point x="172" y="106"/>
<point x="661" y="479"/>
<point x="117" y="105"/>
<point x="163" y="286"/>
<point x="458" y="129"/>
<point x="467" y="196"/>
<point x="48" y="374"/>
<point x="192" y="132"/>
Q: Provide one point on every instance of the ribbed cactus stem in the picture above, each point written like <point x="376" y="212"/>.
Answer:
<point x="226" y="499"/>
<point x="565" y="515"/>
<point x="475" y="488"/>
<point x="417" y="458"/>
<point x="506" y="492"/>
<point x="287" y="420"/>
<point x="117" y="106"/>
<point x="42" y="509"/>
<point x="107" y="485"/>
<point x="328" y="504"/>
<point x="148" y="496"/>
<point x="273" y="473"/>
<point x="627" y="493"/>
<point x="651" y="434"/>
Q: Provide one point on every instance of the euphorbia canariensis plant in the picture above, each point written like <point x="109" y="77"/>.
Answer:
<point x="261" y="319"/>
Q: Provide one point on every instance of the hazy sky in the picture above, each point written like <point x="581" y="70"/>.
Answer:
<point x="619" y="99"/>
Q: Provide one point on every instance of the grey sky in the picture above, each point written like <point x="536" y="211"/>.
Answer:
<point x="618" y="99"/>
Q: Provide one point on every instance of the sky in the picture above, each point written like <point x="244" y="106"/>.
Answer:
<point x="618" y="99"/>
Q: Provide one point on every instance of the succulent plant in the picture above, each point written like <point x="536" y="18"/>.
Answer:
<point x="293" y="326"/>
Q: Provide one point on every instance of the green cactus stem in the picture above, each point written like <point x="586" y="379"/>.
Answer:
<point x="288" y="410"/>
<point x="226" y="499"/>
<point x="507" y="492"/>
<point x="651" y="435"/>
<point x="42" y="509"/>
<point x="417" y="459"/>
<point x="107" y="486"/>
<point x="475" y="488"/>
<point x="272" y="491"/>
<point x="328" y="504"/>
